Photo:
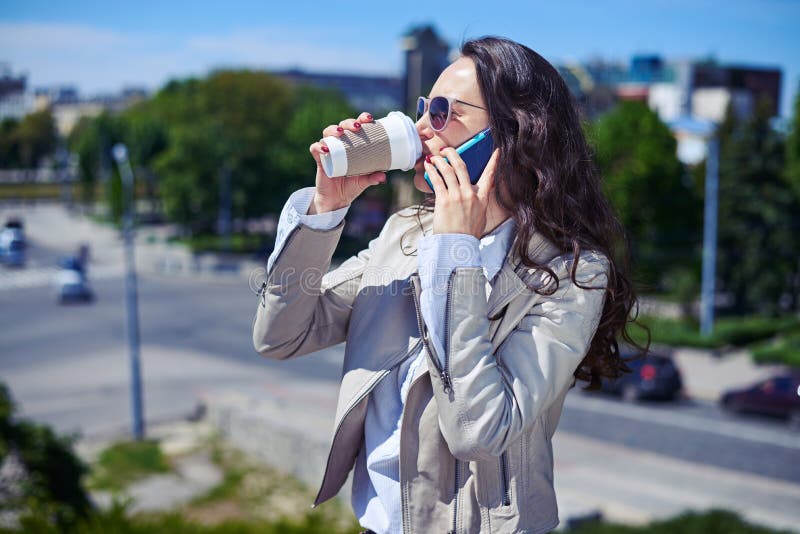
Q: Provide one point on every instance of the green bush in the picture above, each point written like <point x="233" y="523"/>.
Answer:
<point x="782" y="350"/>
<point x="50" y="484"/>
<point x="118" y="520"/>
<point x="736" y="331"/>
<point x="714" y="521"/>
<point x="125" y="462"/>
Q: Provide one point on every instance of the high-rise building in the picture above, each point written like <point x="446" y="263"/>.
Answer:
<point x="427" y="55"/>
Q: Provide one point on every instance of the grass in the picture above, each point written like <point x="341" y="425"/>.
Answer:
<point x="251" y="497"/>
<point x="126" y="462"/>
<point x="255" y="499"/>
<point x="713" y="521"/>
<point x="253" y="492"/>
<point x="784" y="349"/>
<point x="31" y="191"/>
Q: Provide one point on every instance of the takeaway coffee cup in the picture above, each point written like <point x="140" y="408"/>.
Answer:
<point x="386" y="144"/>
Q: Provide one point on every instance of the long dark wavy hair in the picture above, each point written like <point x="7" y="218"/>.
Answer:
<point x="547" y="180"/>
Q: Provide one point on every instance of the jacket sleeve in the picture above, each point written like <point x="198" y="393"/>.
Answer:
<point x="494" y="398"/>
<point x="303" y="308"/>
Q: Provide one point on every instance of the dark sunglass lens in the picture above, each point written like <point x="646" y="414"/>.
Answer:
<point x="420" y="108"/>
<point x="438" y="109"/>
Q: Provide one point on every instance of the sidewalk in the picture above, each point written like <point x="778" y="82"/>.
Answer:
<point x="290" y="426"/>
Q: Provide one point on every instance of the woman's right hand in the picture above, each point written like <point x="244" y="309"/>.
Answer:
<point x="335" y="193"/>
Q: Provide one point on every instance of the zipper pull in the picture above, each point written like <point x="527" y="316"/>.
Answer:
<point x="447" y="384"/>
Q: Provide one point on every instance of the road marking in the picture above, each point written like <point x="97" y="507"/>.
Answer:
<point x="43" y="276"/>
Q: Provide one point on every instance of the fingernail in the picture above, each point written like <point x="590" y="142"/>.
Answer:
<point x="428" y="158"/>
<point x="369" y="117"/>
<point x="325" y="149"/>
<point x="339" y="129"/>
<point x="357" y="125"/>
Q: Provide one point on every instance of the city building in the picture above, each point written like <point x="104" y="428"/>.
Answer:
<point x="378" y="94"/>
<point x="426" y="56"/>
<point x="15" y="102"/>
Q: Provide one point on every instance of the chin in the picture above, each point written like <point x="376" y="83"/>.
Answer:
<point x="420" y="183"/>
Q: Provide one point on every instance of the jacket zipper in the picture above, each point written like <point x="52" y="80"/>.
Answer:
<point x="504" y="485"/>
<point x="455" y="497"/>
<point x="446" y="371"/>
<point x="347" y="413"/>
<point x="443" y="370"/>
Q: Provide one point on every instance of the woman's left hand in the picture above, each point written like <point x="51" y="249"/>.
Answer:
<point x="460" y="206"/>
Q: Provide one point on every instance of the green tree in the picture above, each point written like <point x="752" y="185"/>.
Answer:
<point x="25" y="142"/>
<point x="250" y="124"/>
<point x="9" y="150"/>
<point x="91" y="139"/>
<point x="43" y="474"/>
<point x="652" y="192"/>
<point x="793" y="147"/>
<point x="758" y="244"/>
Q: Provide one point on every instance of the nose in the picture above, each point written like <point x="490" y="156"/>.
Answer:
<point x="424" y="128"/>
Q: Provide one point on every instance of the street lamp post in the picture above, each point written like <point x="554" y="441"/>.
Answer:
<point x="120" y="153"/>
<point x="710" y="237"/>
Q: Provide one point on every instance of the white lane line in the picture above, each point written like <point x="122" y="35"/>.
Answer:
<point x="43" y="276"/>
<point x="686" y="421"/>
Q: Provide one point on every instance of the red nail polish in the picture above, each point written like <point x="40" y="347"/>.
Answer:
<point x="339" y="129"/>
<point x="428" y="158"/>
<point x="326" y="149"/>
<point x="369" y="117"/>
<point x="357" y="125"/>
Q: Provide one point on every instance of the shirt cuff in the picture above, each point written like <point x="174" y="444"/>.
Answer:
<point x="298" y="205"/>
<point x="294" y="212"/>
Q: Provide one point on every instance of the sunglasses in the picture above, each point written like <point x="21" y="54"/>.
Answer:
<point x="438" y="109"/>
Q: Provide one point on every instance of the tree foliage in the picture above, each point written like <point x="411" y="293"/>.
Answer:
<point x="24" y="143"/>
<point x="42" y="475"/>
<point x="250" y="125"/>
<point x="759" y="226"/>
<point x="792" y="169"/>
<point x="651" y="192"/>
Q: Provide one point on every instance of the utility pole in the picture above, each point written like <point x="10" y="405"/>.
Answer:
<point x="120" y="153"/>
<point x="710" y="237"/>
<point x="224" y="224"/>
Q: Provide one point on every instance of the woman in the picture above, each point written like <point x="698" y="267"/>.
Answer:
<point x="469" y="317"/>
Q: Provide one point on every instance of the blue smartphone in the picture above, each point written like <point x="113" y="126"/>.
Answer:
<point x="475" y="153"/>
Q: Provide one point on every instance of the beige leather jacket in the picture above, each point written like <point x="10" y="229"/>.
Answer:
<point x="475" y="449"/>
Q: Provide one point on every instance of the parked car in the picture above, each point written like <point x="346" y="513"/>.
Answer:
<point x="653" y="377"/>
<point x="71" y="282"/>
<point x="777" y="396"/>
<point x="12" y="243"/>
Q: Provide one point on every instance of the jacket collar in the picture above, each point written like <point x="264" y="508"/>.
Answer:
<point x="510" y="281"/>
<point x="514" y="277"/>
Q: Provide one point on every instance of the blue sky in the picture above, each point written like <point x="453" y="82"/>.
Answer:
<point x="102" y="46"/>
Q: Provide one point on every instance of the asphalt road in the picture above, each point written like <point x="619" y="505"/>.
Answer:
<point x="213" y="316"/>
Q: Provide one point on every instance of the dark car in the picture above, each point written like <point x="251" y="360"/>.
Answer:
<point x="653" y="377"/>
<point x="777" y="396"/>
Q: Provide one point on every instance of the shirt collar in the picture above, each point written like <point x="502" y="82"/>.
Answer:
<point x="494" y="246"/>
